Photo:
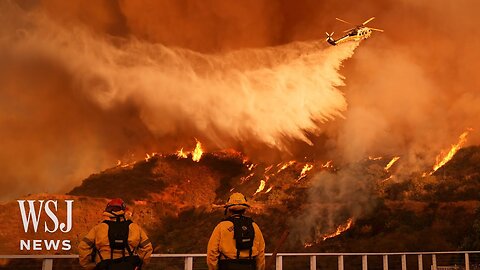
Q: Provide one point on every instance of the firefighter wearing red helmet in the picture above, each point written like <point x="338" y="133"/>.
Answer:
<point x="115" y="243"/>
<point x="236" y="242"/>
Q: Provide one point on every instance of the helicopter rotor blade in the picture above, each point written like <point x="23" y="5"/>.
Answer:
<point x="376" y="29"/>
<point x="369" y="20"/>
<point x="338" y="19"/>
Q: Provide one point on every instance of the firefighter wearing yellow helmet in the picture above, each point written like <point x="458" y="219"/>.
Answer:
<point x="236" y="242"/>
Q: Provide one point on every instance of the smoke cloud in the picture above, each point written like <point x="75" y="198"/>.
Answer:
<point x="333" y="198"/>
<point x="86" y="83"/>
<point x="264" y="96"/>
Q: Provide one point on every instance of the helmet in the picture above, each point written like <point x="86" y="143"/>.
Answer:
<point x="237" y="201"/>
<point x="115" y="205"/>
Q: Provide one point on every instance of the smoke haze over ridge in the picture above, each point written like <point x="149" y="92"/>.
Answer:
<point x="410" y="91"/>
<point x="256" y="95"/>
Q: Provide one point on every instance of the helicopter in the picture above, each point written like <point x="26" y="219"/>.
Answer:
<point x="356" y="33"/>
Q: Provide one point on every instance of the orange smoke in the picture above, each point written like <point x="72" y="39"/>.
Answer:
<point x="75" y="72"/>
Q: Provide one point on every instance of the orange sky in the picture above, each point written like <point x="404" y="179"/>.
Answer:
<point x="411" y="91"/>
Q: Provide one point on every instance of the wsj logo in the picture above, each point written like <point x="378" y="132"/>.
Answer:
<point x="33" y="214"/>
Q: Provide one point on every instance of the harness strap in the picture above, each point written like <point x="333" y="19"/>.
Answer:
<point x="127" y="245"/>
<point x="99" y="254"/>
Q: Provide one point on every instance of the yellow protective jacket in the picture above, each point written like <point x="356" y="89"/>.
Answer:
<point x="222" y="246"/>
<point x="97" y="239"/>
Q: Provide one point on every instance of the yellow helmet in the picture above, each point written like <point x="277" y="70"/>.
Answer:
<point x="237" y="201"/>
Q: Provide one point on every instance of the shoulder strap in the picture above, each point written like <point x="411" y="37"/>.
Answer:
<point x="250" y="222"/>
<point x="127" y="245"/>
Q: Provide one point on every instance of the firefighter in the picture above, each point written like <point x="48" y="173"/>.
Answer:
<point x="115" y="243"/>
<point x="236" y="242"/>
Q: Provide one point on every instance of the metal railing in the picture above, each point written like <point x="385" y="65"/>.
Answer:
<point x="48" y="260"/>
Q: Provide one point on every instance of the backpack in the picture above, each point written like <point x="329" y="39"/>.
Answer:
<point x="118" y="238"/>
<point x="243" y="233"/>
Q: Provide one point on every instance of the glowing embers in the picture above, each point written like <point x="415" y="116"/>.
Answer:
<point x="340" y="229"/>
<point x="442" y="158"/>
<point x="196" y="153"/>
<point x="286" y="165"/>
<point x="181" y="154"/>
<point x="261" y="187"/>
<point x="328" y="164"/>
<point x="304" y="171"/>
<point x="149" y="156"/>
<point x="390" y="164"/>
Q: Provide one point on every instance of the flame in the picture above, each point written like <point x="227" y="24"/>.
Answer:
<point x="308" y="244"/>
<point x="443" y="159"/>
<point x="149" y="156"/>
<point x="269" y="189"/>
<point x="305" y="169"/>
<point x="388" y="178"/>
<point x="340" y="229"/>
<point x="251" y="166"/>
<point x="268" y="168"/>
<point x="243" y="179"/>
<point x="261" y="187"/>
<point x="328" y="164"/>
<point x="197" y="152"/>
<point x="390" y="164"/>
<point x="374" y="158"/>
<point x="286" y="165"/>
<point x="181" y="154"/>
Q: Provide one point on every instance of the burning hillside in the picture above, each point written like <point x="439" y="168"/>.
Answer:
<point x="331" y="143"/>
<point x="326" y="207"/>
<point x="78" y="94"/>
<point x="323" y="200"/>
<point x="196" y="178"/>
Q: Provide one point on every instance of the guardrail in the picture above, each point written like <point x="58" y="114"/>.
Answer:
<point x="48" y="260"/>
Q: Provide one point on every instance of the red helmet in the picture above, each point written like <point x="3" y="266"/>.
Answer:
<point x="115" y="205"/>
